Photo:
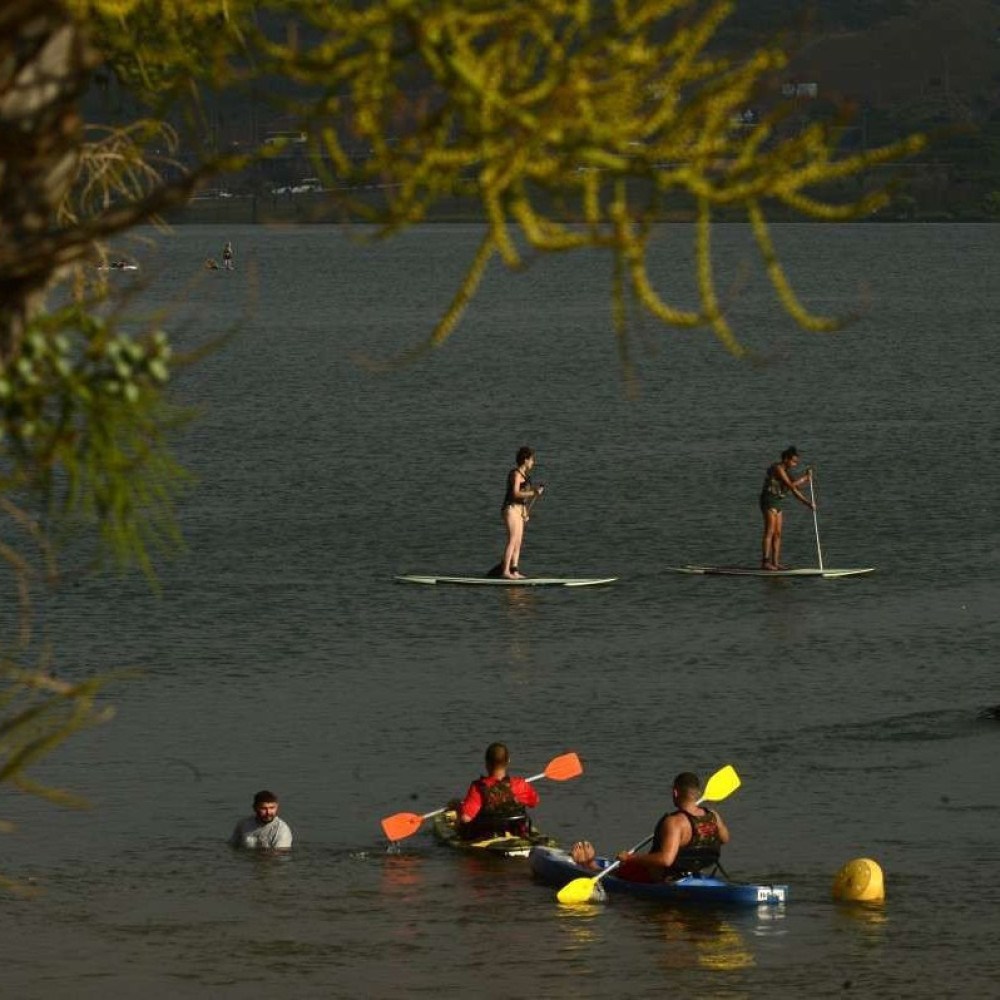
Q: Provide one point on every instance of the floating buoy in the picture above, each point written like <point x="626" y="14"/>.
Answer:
<point x="859" y="880"/>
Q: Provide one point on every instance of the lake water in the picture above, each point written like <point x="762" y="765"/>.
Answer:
<point x="281" y="654"/>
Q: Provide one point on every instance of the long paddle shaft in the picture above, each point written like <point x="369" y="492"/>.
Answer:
<point x="720" y="786"/>
<point x="402" y="825"/>
<point x="812" y="496"/>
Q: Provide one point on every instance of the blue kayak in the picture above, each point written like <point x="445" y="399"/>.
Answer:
<point x="555" y="867"/>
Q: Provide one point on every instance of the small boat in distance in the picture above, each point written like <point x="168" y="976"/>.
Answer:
<point x="118" y="265"/>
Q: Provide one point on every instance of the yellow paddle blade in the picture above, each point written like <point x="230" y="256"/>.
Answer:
<point x="578" y="891"/>
<point x="721" y="785"/>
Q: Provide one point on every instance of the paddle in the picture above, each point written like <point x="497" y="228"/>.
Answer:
<point x="720" y="786"/>
<point x="531" y="502"/>
<point x="812" y="497"/>
<point x="402" y="825"/>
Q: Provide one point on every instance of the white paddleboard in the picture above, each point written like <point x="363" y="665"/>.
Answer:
<point x="493" y="581"/>
<point x="827" y="574"/>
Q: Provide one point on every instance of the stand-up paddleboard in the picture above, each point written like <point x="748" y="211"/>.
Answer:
<point x="493" y="581"/>
<point x="826" y="573"/>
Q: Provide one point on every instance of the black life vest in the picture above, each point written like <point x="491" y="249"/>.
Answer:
<point x="702" y="851"/>
<point x="500" y="812"/>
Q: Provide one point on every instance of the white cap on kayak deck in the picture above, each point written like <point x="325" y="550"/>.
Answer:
<point x="859" y="880"/>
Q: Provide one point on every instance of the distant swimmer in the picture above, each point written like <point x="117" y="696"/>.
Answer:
<point x="517" y="501"/>
<point x="211" y="264"/>
<point x="778" y="483"/>
<point x="227" y="256"/>
<point x="263" y="831"/>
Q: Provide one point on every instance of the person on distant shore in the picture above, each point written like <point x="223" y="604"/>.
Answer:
<point x="227" y="256"/>
<point x="684" y="841"/>
<point x="497" y="802"/>
<point x="517" y="501"/>
<point x="263" y="831"/>
<point x="778" y="483"/>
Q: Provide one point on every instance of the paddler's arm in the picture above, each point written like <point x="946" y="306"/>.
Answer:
<point x="793" y="485"/>
<point x="471" y="805"/>
<point x="659" y="861"/>
<point x="522" y="492"/>
<point x="524" y="792"/>
<point x="723" y="829"/>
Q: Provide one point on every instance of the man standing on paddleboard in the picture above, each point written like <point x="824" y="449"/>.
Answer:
<point x="778" y="483"/>
<point x="495" y="803"/>
<point x="263" y="831"/>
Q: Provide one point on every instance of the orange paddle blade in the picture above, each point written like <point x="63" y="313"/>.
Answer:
<point x="565" y="767"/>
<point x="401" y="825"/>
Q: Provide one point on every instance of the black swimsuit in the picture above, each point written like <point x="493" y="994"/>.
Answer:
<point x="509" y="499"/>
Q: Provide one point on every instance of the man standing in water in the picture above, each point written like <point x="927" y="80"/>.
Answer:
<point x="263" y="831"/>
<point x="496" y="803"/>
<point x="778" y="483"/>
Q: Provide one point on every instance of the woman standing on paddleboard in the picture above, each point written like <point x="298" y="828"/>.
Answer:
<point x="520" y="493"/>
<point x="778" y="483"/>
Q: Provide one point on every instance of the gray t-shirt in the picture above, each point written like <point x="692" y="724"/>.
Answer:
<point x="253" y="835"/>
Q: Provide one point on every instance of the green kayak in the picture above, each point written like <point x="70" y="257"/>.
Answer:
<point x="504" y="845"/>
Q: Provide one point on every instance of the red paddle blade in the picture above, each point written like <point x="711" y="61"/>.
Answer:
<point x="565" y="767"/>
<point x="401" y="825"/>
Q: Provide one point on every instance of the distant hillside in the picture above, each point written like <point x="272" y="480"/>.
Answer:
<point x="901" y="65"/>
<point x="930" y="61"/>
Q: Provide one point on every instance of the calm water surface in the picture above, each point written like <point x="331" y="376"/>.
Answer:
<point x="280" y="653"/>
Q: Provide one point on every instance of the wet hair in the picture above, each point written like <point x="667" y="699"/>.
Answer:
<point x="497" y="755"/>
<point x="686" y="783"/>
<point x="264" y="796"/>
<point x="524" y="453"/>
<point x="790" y="452"/>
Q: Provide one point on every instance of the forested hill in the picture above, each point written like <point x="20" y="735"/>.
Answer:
<point x="924" y="62"/>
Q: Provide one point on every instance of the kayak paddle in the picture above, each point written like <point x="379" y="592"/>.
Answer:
<point x="402" y="825"/>
<point x="720" y="786"/>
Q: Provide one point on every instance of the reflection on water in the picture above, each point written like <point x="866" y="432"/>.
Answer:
<point x="701" y="939"/>
<point x="520" y="602"/>
<point x="870" y="917"/>
<point x="402" y="875"/>
<point x="578" y="921"/>
<point x="770" y="921"/>
<point x="521" y="606"/>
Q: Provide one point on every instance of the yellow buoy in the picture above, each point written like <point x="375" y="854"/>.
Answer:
<point x="859" y="880"/>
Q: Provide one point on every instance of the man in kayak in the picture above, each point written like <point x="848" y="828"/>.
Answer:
<point x="495" y="803"/>
<point x="685" y="841"/>
<point x="263" y="831"/>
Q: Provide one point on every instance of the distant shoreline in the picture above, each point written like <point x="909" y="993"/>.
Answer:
<point x="319" y="208"/>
